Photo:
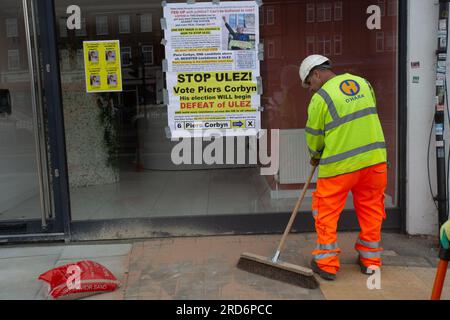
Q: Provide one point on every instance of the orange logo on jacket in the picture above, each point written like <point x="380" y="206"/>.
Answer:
<point x="350" y="87"/>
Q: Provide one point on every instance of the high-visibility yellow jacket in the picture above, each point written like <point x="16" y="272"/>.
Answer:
<point x="343" y="129"/>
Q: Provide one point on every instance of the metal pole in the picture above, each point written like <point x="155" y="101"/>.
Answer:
<point x="36" y="124"/>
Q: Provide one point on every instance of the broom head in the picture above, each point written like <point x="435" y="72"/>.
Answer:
<point x="281" y="271"/>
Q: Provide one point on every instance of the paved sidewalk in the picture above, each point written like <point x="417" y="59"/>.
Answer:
<point x="204" y="268"/>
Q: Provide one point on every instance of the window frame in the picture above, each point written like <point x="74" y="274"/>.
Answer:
<point x="17" y="55"/>
<point x="126" y="50"/>
<point x="146" y="46"/>
<point x="310" y="12"/>
<point x="127" y="21"/>
<point x="141" y="22"/>
<point x="9" y="23"/>
<point x="98" y="23"/>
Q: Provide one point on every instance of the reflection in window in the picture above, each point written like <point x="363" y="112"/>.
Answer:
<point x="380" y="41"/>
<point x="310" y="12"/>
<point x="391" y="42"/>
<point x="382" y="5"/>
<point x="101" y="24"/>
<point x="338" y="11"/>
<point x="392" y="8"/>
<point x="146" y="22"/>
<point x="310" y="45"/>
<point x="124" y="24"/>
<point x="13" y="59"/>
<point x="147" y="54"/>
<point x="62" y="28"/>
<point x="270" y="16"/>
<point x="324" y="44"/>
<point x="323" y="12"/>
<point x="65" y="59"/>
<point x="261" y="16"/>
<point x="80" y="59"/>
<point x="270" y="49"/>
<point x="338" y="44"/>
<point x="125" y="53"/>
<point x="11" y="28"/>
<point x="82" y="31"/>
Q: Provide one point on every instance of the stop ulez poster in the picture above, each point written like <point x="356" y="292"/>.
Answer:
<point x="213" y="73"/>
<point x="102" y="66"/>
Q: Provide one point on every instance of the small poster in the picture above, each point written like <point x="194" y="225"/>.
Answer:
<point x="102" y="66"/>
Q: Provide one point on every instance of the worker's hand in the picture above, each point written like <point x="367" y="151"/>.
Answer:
<point x="314" y="162"/>
<point x="445" y="235"/>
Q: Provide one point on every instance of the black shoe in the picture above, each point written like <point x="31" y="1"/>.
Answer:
<point x="323" y="274"/>
<point x="365" y="270"/>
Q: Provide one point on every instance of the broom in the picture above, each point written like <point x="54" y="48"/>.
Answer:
<point x="278" y="270"/>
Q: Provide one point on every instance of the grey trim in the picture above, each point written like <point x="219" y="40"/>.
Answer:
<point x="354" y="152"/>
<point x="369" y="254"/>
<point x="331" y="246"/>
<point x="325" y="255"/>
<point x="331" y="107"/>
<point x="370" y="245"/>
<point x="350" y="117"/>
<point x="315" y="213"/>
<point x="314" y="132"/>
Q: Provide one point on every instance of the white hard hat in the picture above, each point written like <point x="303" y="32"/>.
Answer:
<point x="310" y="63"/>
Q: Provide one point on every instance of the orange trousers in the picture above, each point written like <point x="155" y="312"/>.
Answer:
<point x="367" y="186"/>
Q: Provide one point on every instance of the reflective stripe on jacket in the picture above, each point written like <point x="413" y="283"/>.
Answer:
<point x="343" y="129"/>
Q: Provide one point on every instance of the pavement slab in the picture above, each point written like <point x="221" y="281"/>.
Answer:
<point x="204" y="268"/>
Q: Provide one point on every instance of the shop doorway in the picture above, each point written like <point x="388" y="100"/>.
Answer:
<point x="26" y="204"/>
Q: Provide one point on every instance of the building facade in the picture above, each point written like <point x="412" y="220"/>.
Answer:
<point x="80" y="165"/>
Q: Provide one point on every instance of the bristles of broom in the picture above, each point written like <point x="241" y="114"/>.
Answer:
<point x="272" y="272"/>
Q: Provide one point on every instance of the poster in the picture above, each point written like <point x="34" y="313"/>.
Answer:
<point x="102" y="66"/>
<point x="213" y="71"/>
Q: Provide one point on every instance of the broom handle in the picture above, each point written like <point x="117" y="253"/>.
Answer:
<point x="293" y="216"/>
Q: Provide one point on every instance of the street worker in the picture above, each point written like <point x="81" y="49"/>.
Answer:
<point x="346" y="141"/>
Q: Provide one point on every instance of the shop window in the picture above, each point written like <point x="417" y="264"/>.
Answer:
<point x="11" y="28"/>
<point x="82" y="31"/>
<point x="124" y="24"/>
<point x="310" y="45"/>
<point x="101" y="24"/>
<point x="338" y="44"/>
<point x="310" y="12"/>
<point x="380" y="41"/>
<point x="146" y="22"/>
<point x="13" y="59"/>
<point x="382" y="5"/>
<point x="392" y="8"/>
<point x="125" y="53"/>
<point x="147" y="54"/>
<point x="338" y="11"/>
<point x="62" y="28"/>
<point x="270" y="16"/>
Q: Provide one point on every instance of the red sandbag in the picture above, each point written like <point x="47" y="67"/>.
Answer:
<point x="79" y="279"/>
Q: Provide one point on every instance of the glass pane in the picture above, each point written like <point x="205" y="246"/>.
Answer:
<point x="19" y="186"/>
<point x="119" y="155"/>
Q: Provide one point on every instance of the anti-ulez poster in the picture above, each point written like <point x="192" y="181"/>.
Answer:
<point x="212" y="68"/>
<point x="102" y="66"/>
